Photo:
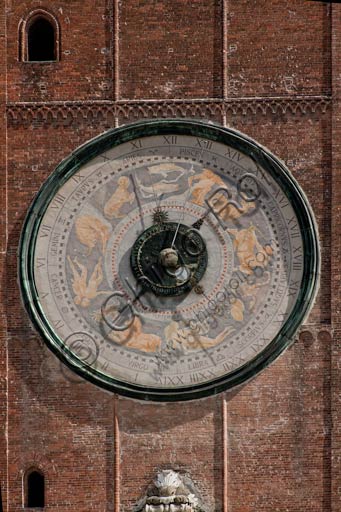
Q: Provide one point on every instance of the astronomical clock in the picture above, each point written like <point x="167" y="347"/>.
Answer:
<point x="169" y="259"/>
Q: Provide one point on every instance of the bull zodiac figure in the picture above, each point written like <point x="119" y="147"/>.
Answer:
<point x="120" y="197"/>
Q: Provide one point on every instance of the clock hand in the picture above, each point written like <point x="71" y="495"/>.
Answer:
<point x="133" y="179"/>
<point x="181" y="217"/>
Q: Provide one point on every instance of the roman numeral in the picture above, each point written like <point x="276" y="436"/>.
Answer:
<point x="281" y="317"/>
<point x="204" y="144"/>
<point x="293" y="228"/>
<point x="77" y="178"/>
<point x="45" y="230"/>
<point x="174" y="380"/>
<point x="57" y="201"/>
<point x="199" y="376"/>
<point x="40" y="262"/>
<point x="239" y="360"/>
<point x="136" y="144"/>
<point x="233" y="154"/>
<point x="170" y="139"/>
<point x="227" y="366"/>
<point x="105" y="365"/>
<point x="260" y="173"/>
<point x="293" y="288"/>
<point x="298" y="262"/>
<point x="282" y="201"/>
<point x="260" y="343"/>
<point x="58" y="324"/>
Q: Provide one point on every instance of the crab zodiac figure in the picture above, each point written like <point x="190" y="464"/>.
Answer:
<point x="85" y="290"/>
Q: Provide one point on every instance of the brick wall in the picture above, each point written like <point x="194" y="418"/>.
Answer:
<point x="278" y="426"/>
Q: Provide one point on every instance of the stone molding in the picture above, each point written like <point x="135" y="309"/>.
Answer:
<point x="170" y="492"/>
<point x="68" y="111"/>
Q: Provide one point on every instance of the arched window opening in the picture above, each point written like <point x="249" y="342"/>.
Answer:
<point x="41" y="40"/>
<point x="34" y="489"/>
<point x="39" y="37"/>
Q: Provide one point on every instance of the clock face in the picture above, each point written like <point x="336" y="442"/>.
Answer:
<point x="168" y="260"/>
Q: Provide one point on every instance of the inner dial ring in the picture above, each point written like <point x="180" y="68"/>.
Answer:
<point x="169" y="258"/>
<point x="220" y="261"/>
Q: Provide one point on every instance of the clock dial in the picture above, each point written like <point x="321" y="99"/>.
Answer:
<point x="183" y="252"/>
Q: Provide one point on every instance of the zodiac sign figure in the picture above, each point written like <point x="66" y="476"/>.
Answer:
<point x="166" y="169"/>
<point x="237" y="310"/>
<point x="120" y="197"/>
<point x="134" y="337"/>
<point x="201" y="184"/>
<point x="188" y="339"/>
<point x="162" y="186"/>
<point x="250" y="252"/>
<point x="85" y="290"/>
<point x="90" y="231"/>
<point x="231" y="212"/>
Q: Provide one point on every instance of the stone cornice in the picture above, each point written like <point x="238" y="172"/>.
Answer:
<point x="27" y="112"/>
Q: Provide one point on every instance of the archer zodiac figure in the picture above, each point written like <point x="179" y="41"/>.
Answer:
<point x="119" y="198"/>
<point x="86" y="290"/>
<point x="91" y="231"/>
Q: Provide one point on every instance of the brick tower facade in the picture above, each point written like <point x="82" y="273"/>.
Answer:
<point x="269" y="69"/>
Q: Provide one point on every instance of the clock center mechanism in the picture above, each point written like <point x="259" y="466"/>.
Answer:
<point x="169" y="258"/>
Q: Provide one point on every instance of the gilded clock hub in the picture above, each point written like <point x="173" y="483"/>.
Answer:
<point x="169" y="258"/>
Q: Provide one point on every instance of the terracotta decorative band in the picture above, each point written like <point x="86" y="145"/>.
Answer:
<point x="68" y="111"/>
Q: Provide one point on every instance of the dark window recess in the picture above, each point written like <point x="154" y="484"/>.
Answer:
<point x="35" y="492"/>
<point x="41" y="41"/>
<point x="1" y="509"/>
